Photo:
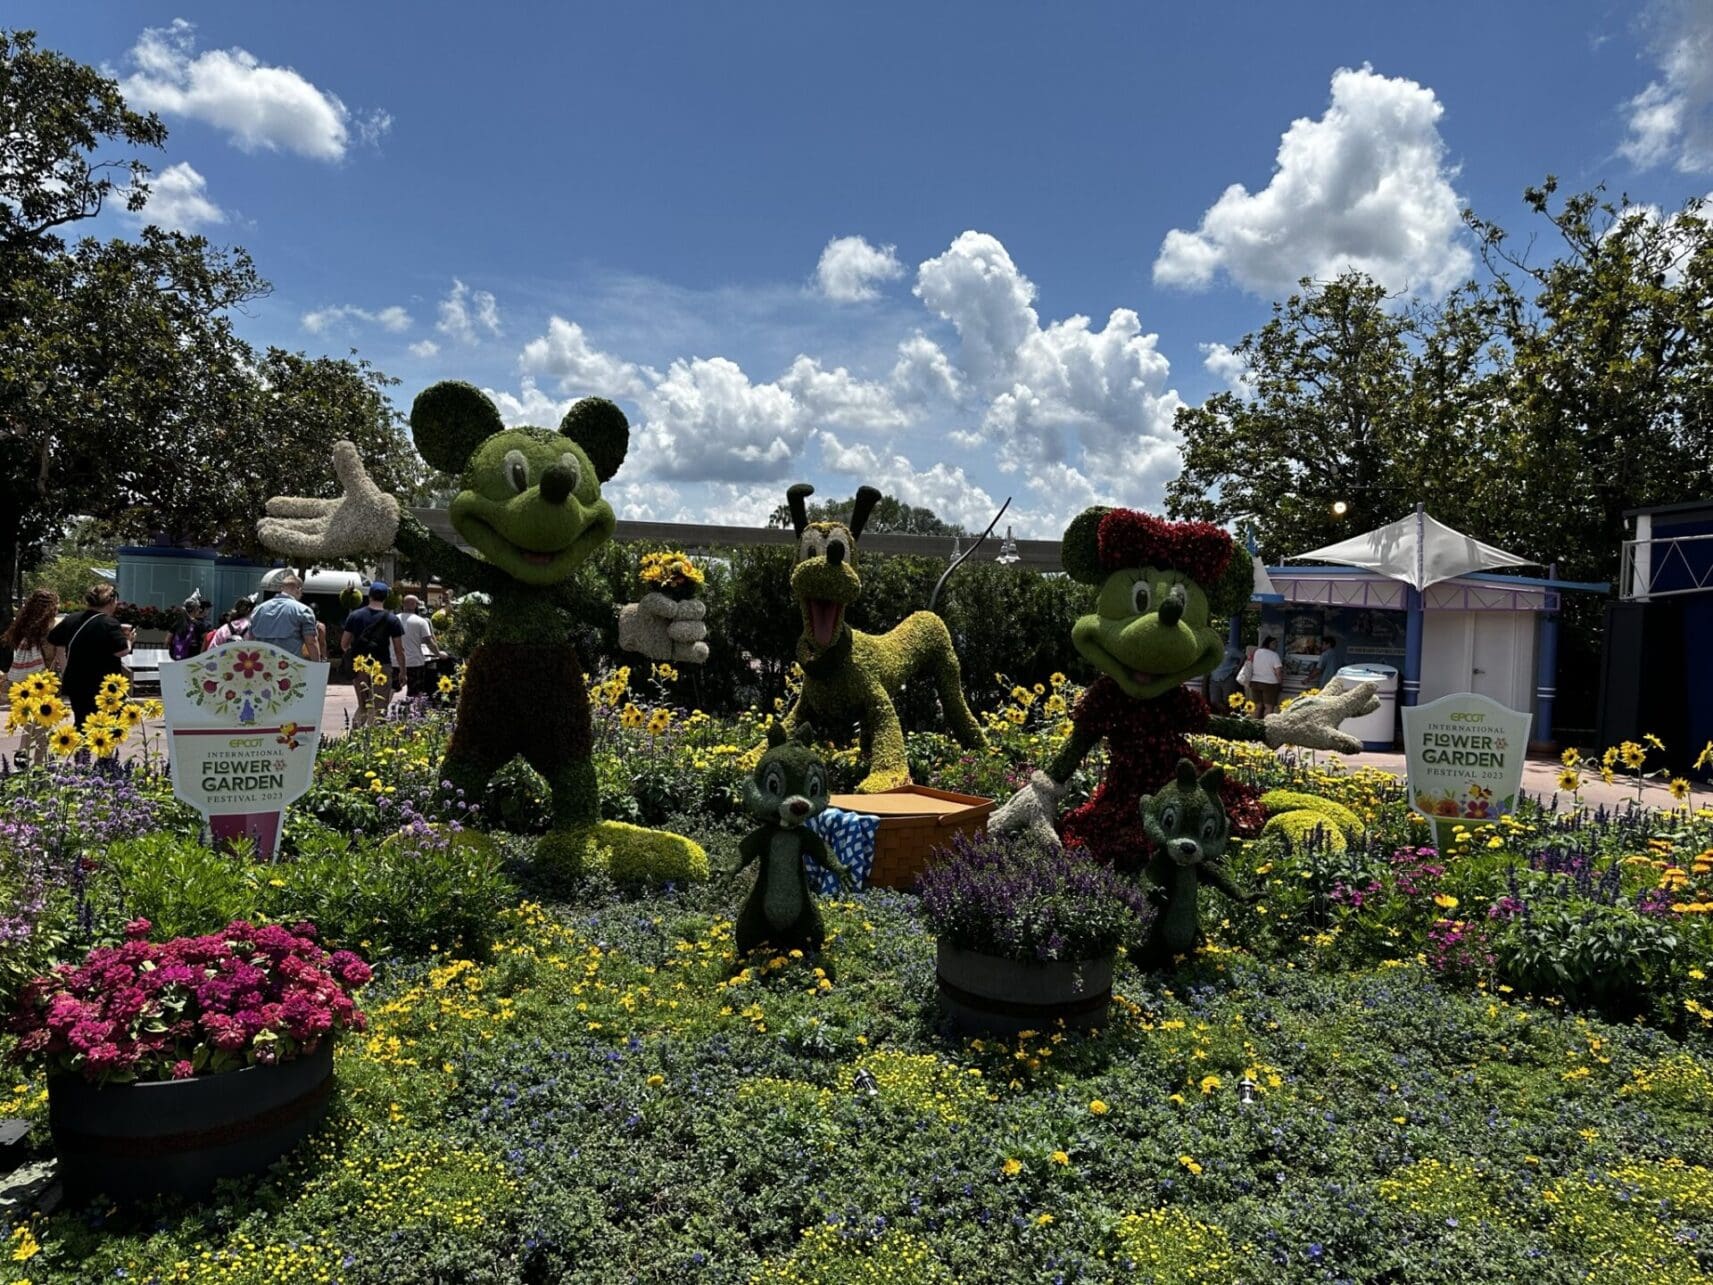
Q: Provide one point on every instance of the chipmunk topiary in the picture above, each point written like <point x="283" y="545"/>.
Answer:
<point x="1159" y="583"/>
<point x="530" y="507"/>
<point x="849" y="675"/>
<point x="1189" y="829"/>
<point x="787" y="788"/>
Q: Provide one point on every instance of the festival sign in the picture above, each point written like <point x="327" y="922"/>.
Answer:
<point x="1464" y="755"/>
<point x="243" y="725"/>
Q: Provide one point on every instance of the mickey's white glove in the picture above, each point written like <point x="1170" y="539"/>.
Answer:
<point x="662" y="628"/>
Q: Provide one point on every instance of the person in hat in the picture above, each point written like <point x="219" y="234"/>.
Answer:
<point x="193" y="628"/>
<point x="373" y="632"/>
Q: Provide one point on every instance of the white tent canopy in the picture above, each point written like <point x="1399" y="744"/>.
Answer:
<point x="1418" y="550"/>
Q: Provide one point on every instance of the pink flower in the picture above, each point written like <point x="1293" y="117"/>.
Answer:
<point x="182" y="1069"/>
<point x="138" y="929"/>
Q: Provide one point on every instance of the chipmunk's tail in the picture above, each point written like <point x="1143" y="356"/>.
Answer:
<point x="962" y="557"/>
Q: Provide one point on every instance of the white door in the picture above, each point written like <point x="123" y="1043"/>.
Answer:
<point x="1446" y="644"/>
<point x="1493" y="655"/>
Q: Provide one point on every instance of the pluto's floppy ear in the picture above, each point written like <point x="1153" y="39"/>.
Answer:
<point x="866" y="498"/>
<point x="795" y="498"/>
<point x="449" y="420"/>
<point x="603" y="432"/>
<point x="775" y="734"/>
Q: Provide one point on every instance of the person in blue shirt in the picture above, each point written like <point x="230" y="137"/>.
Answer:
<point x="1329" y="663"/>
<point x="286" y="621"/>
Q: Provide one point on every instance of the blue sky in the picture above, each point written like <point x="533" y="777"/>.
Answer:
<point x="852" y="243"/>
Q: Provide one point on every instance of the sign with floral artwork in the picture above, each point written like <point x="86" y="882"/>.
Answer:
<point x="1464" y="755"/>
<point x="243" y="726"/>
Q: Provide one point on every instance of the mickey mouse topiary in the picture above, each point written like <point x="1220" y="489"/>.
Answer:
<point x="530" y="506"/>
<point x="1158" y="583"/>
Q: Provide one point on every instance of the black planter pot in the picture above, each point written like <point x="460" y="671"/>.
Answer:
<point x="993" y="995"/>
<point x="178" y="1137"/>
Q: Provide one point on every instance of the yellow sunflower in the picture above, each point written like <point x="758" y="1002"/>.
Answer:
<point x="445" y="685"/>
<point x="101" y="741"/>
<point x="631" y="716"/>
<point x="1570" y="781"/>
<point x="659" y="721"/>
<point x="154" y="709"/>
<point x="1679" y="788"/>
<point x="130" y="714"/>
<point x="49" y="710"/>
<point x="64" y="740"/>
<point x="1633" y="755"/>
<point x="109" y="701"/>
<point x="117" y="684"/>
<point x="100" y="721"/>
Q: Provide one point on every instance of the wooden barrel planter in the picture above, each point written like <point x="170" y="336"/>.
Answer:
<point x="178" y="1137"/>
<point x="914" y="821"/>
<point x="993" y="995"/>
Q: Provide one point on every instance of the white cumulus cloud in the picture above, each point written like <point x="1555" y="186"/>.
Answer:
<point x="838" y="398"/>
<point x="1365" y="187"/>
<point x="466" y="314"/>
<point x="425" y="348"/>
<point x="565" y="352"/>
<point x="392" y="318"/>
<point x="1063" y="393"/>
<point x="1671" y="121"/>
<point x="944" y="488"/>
<point x="850" y="267"/>
<point x="260" y="107"/>
<point x="179" y="201"/>
<point x="706" y="419"/>
<point x="923" y="372"/>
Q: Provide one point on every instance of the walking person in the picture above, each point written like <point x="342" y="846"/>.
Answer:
<point x="287" y="621"/>
<point x="32" y="654"/>
<point x="193" y="630"/>
<point x="93" y="641"/>
<point x="237" y="625"/>
<point x="1328" y="665"/>
<point x="1223" y="683"/>
<point x="420" y="647"/>
<point x="374" y="633"/>
<point x="1266" y="677"/>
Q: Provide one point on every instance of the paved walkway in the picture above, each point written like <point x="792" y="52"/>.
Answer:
<point x="1540" y="776"/>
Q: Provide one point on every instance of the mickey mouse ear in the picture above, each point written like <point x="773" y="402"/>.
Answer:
<point x="449" y="420"/>
<point x="602" y="430"/>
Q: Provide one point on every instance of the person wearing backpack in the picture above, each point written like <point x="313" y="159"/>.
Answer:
<point x="237" y="625"/>
<point x="378" y="634"/>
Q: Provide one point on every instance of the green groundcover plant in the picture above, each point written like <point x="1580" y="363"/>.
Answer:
<point x="1490" y="1063"/>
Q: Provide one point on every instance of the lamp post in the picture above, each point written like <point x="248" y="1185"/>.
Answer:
<point x="1008" y="550"/>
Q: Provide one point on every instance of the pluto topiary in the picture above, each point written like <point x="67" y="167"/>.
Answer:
<point x="852" y="676"/>
<point x="530" y="508"/>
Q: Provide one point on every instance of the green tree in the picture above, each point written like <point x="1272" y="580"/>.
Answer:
<point x="125" y="393"/>
<point x="54" y="114"/>
<point x="1352" y="407"/>
<point x="1609" y="387"/>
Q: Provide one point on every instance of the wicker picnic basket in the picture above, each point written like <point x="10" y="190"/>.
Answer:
<point x="914" y="820"/>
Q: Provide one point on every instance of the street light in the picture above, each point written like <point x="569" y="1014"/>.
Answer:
<point x="1339" y="508"/>
<point x="1008" y="550"/>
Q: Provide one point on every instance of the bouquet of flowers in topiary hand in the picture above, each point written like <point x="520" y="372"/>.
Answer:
<point x="672" y="574"/>
<point x="146" y="1010"/>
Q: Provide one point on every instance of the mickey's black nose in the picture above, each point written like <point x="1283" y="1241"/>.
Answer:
<point x="556" y="484"/>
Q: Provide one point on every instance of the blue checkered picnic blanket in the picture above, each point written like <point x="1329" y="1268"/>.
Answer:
<point x="850" y="835"/>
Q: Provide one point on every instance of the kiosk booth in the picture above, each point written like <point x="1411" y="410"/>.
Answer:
<point x="1420" y="599"/>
